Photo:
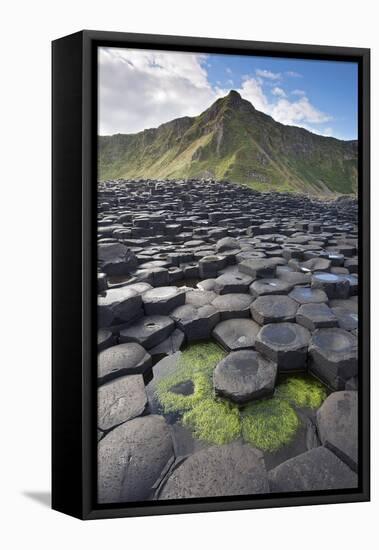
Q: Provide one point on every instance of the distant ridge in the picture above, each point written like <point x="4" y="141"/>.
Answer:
<point x="233" y="141"/>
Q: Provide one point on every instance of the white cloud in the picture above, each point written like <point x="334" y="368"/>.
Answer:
<point x="279" y="92"/>
<point x="294" y="74"/>
<point x="228" y="70"/>
<point x="298" y="113"/>
<point x="141" y="89"/>
<point x="263" y="73"/>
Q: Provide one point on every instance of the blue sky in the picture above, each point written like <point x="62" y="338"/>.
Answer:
<point x="332" y="87"/>
<point x="141" y="89"/>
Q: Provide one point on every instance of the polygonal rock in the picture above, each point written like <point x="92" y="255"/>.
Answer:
<point x="334" y="356"/>
<point x="226" y="470"/>
<point x="148" y="331"/>
<point x="196" y="323"/>
<point x="209" y="266"/>
<point x="116" y="259"/>
<point x="307" y="295"/>
<point x="171" y="345"/>
<point x="315" y="470"/>
<point x="335" y="286"/>
<point x="258" y="268"/>
<point x="315" y="264"/>
<point x="244" y="375"/>
<point x="262" y="287"/>
<point x="121" y="360"/>
<point x="235" y="334"/>
<point x="198" y="298"/>
<point x="162" y="300"/>
<point x="227" y="243"/>
<point x="273" y="309"/>
<point x="118" y="305"/>
<point x="337" y="424"/>
<point x="120" y="400"/>
<point x="131" y="458"/>
<point x="348" y="320"/>
<point x="284" y="343"/>
<point x="233" y="306"/>
<point x="314" y="316"/>
<point x="105" y="339"/>
<point x="232" y="283"/>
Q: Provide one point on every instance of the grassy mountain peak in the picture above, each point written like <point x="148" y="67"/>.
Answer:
<point x="231" y="140"/>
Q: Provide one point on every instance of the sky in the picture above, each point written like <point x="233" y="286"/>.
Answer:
<point x="141" y="89"/>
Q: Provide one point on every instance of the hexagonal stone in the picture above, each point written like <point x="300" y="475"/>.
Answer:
<point x="120" y="400"/>
<point x="207" y="284"/>
<point x="171" y="345"/>
<point x="316" y="470"/>
<point x="209" y="266"/>
<point x="196" y="323"/>
<point x="105" y="339"/>
<point x="131" y="458"/>
<point x="148" y="331"/>
<point x="314" y="316"/>
<point x="307" y="295"/>
<point x="244" y="375"/>
<point x="162" y="300"/>
<point x="118" y="305"/>
<point x="232" y="283"/>
<point x="235" y="334"/>
<point x="315" y="264"/>
<point x="337" y="424"/>
<point x="351" y="304"/>
<point x="348" y="320"/>
<point x="222" y="470"/>
<point x="335" y="286"/>
<point x="115" y="258"/>
<point x="227" y="243"/>
<point x="121" y="360"/>
<point x="334" y="356"/>
<point x="261" y="268"/>
<point x="294" y="277"/>
<point x="284" y="343"/>
<point x="273" y="309"/>
<point x="263" y="287"/>
<point x="198" y="298"/>
<point x="233" y="306"/>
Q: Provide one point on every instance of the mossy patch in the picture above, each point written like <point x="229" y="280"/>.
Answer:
<point x="302" y="392"/>
<point x="196" y="364"/>
<point x="214" y="421"/>
<point x="269" y="424"/>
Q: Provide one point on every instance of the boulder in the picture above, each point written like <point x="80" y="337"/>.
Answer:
<point x="148" y="331"/>
<point x="236" y="334"/>
<point x="121" y="360"/>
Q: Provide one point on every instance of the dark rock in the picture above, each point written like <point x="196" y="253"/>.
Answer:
<point x="232" y="283"/>
<point x="235" y="334"/>
<point x="314" y="316"/>
<point x="233" y="306"/>
<point x="131" y="458"/>
<point x="337" y="424"/>
<point x="218" y="471"/>
<point x="148" y="331"/>
<point x="196" y="323"/>
<point x="334" y="356"/>
<point x="120" y="400"/>
<point x="263" y="287"/>
<point x="316" y="470"/>
<point x="244" y="375"/>
<point x="307" y="295"/>
<point x="121" y="360"/>
<point x="119" y="305"/>
<point x="273" y="309"/>
<point x="162" y="300"/>
<point x="284" y="343"/>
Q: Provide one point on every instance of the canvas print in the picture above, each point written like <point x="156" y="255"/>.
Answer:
<point x="227" y="254"/>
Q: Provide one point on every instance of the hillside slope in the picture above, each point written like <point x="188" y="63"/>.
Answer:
<point x="232" y="140"/>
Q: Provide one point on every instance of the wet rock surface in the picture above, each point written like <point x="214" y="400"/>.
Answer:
<point x="267" y="275"/>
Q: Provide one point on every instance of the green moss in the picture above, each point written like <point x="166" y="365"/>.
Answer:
<point x="302" y="392"/>
<point x="269" y="424"/>
<point x="196" y="364"/>
<point x="214" y="421"/>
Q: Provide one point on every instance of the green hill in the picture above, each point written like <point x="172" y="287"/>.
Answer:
<point x="233" y="141"/>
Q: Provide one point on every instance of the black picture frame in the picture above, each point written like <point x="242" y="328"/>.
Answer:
<point x="74" y="152"/>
